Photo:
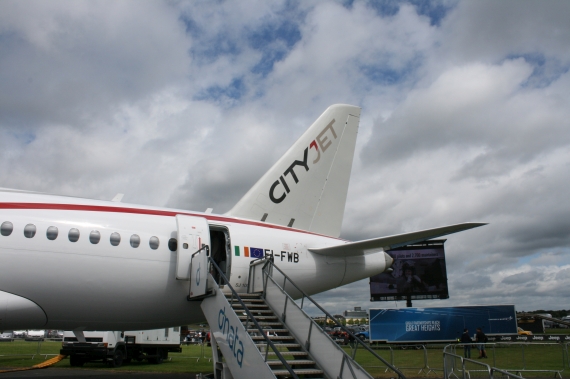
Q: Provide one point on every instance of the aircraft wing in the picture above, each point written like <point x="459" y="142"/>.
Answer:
<point x="391" y="242"/>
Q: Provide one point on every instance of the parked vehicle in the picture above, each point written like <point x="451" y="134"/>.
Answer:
<point x="363" y="335"/>
<point x="7" y="336"/>
<point x="19" y="334"/>
<point x="338" y="339"/>
<point x="54" y="334"/>
<point x="523" y="332"/>
<point x="116" y="348"/>
<point x="35" y="335"/>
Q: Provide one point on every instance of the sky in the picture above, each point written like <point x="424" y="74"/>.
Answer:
<point x="185" y="104"/>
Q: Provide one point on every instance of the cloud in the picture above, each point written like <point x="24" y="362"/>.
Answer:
<point x="487" y="30"/>
<point x="186" y="104"/>
<point x="64" y="62"/>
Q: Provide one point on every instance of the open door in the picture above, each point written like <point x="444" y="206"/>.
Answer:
<point x="220" y="251"/>
<point x="193" y="243"/>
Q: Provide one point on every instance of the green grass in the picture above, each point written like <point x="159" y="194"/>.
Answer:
<point x="413" y="363"/>
<point x="558" y="331"/>
<point x="429" y="362"/>
<point x="193" y="358"/>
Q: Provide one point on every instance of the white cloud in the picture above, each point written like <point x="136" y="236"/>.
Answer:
<point x="186" y="104"/>
<point x="67" y="61"/>
<point x="489" y="30"/>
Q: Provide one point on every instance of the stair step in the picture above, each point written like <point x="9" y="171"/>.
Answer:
<point x="247" y="301"/>
<point x="290" y="353"/>
<point x="254" y="311"/>
<point x="252" y="307"/>
<point x="246" y="295"/>
<point x="238" y="305"/>
<point x="300" y="362"/>
<point x="273" y="338"/>
<point x="268" y="323"/>
<point x="298" y="372"/>
<point x="287" y="345"/>
<point x="259" y="317"/>
<point x="273" y="330"/>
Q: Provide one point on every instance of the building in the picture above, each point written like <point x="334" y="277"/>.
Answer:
<point x="356" y="314"/>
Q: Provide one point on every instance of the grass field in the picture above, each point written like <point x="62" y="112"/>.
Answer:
<point x="413" y="362"/>
<point x="19" y="353"/>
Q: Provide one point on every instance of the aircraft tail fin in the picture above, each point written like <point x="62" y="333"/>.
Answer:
<point x="306" y="189"/>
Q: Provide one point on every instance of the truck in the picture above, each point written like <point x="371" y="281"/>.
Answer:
<point x="117" y="347"/>
<point x="440" y="324"/>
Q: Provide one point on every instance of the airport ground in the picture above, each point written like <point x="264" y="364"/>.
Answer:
<point x="195" y="359"/>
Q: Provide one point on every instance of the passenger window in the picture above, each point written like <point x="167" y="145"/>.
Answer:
<point x="30" y="231"/>
<point x="154" y="243"/>
<point x="135" y="241"/>
<point x="51" y="233"/>
<point x="73" y="235"/>
<point x="6" y="228"/>
<point x="115" y="239"/>
<point x="172" y="244"/>
<point x="94" y="237"/>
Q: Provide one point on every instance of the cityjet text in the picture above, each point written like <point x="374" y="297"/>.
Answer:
<point x="323" y="141"/>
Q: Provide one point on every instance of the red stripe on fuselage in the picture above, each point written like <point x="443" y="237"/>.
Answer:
<point x="151" y="212"/>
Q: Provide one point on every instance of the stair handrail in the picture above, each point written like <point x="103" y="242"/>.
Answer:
<point x="357" y="340"/>
<point x="250" y="316"/>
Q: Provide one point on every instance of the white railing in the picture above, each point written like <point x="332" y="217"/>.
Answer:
<point x="329" y="356"/>
<point x="457" y="366"/>
<point x="250" y="322"/>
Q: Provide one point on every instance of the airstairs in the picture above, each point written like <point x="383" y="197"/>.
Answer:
<point x="265" y="334"/>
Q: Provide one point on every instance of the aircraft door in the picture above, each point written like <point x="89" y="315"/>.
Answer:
<point x="221" y="250"/>
<point x="193" y="235"/>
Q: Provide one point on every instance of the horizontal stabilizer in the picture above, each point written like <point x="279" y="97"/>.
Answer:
<point x="391" y="242"/>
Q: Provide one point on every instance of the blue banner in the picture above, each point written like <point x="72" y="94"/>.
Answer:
<point x="441" y="323"/>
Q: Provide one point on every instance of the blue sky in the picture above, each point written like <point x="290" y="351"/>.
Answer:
<point x="186" y="104"/>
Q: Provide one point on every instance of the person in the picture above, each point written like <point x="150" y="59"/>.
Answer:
<point x="351" y="341"/>
<point x="410" y="282"/>
<point x="466" y="341"/>
<point x="481" y="339"/>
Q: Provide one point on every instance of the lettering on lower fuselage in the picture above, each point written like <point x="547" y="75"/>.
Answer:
<point x="232" y="338"/>
<point x="324" y="141"/>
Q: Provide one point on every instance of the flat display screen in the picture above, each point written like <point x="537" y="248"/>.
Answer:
<point x="418" y="272"/>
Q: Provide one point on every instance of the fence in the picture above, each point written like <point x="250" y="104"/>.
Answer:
<point x="29" y="348"/>
<point x="513" y="358"/>
<point x="204" y="353"/>
<point x="420" y="358"/>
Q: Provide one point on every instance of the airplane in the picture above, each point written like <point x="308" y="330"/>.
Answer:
<point x="78" y="264"/>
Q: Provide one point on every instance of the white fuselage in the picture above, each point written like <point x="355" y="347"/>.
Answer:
<point x="59" y="284"/>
